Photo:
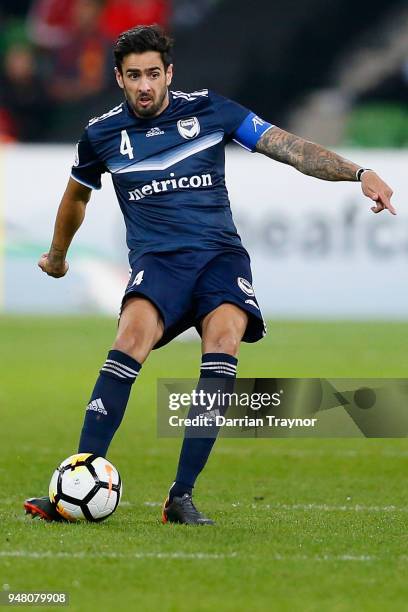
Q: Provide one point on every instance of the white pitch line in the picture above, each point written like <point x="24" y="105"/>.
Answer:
<point x="200" y="556"/>
<point x="325" y="507"/>
<point x="276" y="507"/>
<point x="25" y="554"/>
<point x="307" y="507"/>
<point x="332" y="558"/>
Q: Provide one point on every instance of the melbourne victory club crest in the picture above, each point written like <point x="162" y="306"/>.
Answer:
<point x="245" y="286"/>
<point x="189" y="128"/>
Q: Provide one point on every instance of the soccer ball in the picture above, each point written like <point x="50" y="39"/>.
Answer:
<point x="85" y="487"/>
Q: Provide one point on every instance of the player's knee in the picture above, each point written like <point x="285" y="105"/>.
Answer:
<point x="137" y="343"/>
<point x="223" y="342"/>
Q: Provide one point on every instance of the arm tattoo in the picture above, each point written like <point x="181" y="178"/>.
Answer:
<point x="307" y="157"/>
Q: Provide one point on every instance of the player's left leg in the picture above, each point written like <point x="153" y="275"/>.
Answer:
<point x="222" y="331"/>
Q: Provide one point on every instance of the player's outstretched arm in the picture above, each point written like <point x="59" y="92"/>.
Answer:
<point x="71" y="213"/>
<point x="314" y="160"/>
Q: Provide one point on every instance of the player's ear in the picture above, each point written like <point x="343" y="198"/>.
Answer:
<point x="169" y="74"/>
<point x="119" y="78"/>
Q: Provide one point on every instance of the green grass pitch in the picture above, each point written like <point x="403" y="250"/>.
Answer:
<point x="301" y="524"/>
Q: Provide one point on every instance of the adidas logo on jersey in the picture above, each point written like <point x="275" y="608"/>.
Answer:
<point x="155" y="131"/>
<point x="97" y="406"/>
<point x="184" y="182"/>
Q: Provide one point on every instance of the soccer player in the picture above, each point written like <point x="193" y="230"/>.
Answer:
<point x="165" y="152"/>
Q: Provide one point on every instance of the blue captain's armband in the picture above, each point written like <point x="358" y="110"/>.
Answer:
<point x="250" y="131"/>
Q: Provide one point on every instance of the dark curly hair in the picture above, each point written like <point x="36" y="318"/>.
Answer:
<point x="141" y="39"/>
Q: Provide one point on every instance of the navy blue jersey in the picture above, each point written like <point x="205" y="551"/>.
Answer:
<point x="169" y="171"/>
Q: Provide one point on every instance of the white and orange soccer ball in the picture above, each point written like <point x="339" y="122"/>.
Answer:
<point x="86" y="487"/>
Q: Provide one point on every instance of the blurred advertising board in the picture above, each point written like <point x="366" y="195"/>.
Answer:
<point x="317" y="250"/>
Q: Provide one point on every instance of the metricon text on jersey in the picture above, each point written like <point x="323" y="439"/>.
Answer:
<point x="184" y="182"/>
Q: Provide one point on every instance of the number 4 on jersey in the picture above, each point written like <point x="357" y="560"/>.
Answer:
<point x="138" y="278"/>
<point x="125" y="146"/>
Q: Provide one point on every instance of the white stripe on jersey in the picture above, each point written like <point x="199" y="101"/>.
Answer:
<point x="190" y="97"/>
<point x="114" y="111"/>
<point x="173" y="156"/>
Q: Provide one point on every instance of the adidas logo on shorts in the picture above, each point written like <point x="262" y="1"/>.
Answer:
<point x="97" y="406"/>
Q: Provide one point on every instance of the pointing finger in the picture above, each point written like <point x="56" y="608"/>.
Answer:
<point x="386" y="202"/>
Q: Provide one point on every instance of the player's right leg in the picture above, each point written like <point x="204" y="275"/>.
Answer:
<point x="140" y="328"/>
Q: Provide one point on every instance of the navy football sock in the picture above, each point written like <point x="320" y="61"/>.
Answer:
<point x="107" y="405"/>
<point x="218" y="372"/>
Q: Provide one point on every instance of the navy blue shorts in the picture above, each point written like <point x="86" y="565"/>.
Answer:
<point x="186" y="286"/>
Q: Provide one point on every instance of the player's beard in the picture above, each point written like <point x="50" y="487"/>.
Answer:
<point x="154" y="109"/>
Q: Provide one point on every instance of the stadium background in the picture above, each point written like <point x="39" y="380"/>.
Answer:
<point x="332" y="279"/>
